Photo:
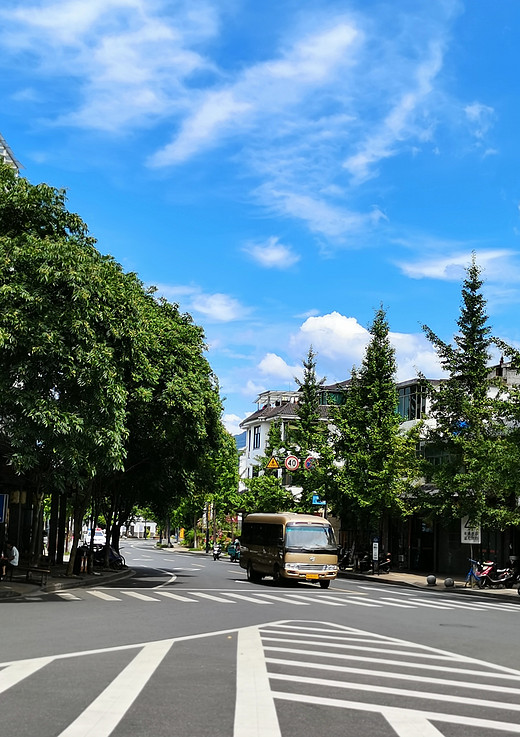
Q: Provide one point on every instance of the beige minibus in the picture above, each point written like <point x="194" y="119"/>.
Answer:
<point x="288" y="546"/>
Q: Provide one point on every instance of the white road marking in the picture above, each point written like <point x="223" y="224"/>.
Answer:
<point x="408" y="717"/>
<point x="285" y="601"/>
<point x="102" y="595"/>
<point x="178" y="597"/>
<point x="211" y="597"/>
<point x="137" y="595"/>
<point x="420" y="604"/>
<point x="248" y="598"/>
<point x="104" y="713"/>
<point x="395" y="675"/>
<point x="316" y="600"/>
<point x="362" y="602"/>
<point x="68" y="596"/>
<point x="255" y="712"/>
<point x="389" y="602"/>
<point x="16" y="672"/>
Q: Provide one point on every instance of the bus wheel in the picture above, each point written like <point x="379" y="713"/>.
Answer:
<point x="324" y="583"/>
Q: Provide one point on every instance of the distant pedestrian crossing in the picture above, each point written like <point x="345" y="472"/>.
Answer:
<point x="303" y="598"/>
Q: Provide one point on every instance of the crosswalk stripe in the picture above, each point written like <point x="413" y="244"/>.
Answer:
<point x="68" y="596"/>
<point x="421" y="604"/>
<point x="102" y="595"/>
<point x="321" y="601"/>
<point x="141" y="597"/>
<point x="248" y="598"/>
<point x="285" y="601"/>
<point x="178" y="597"/>
<point x="212" y="597"/>
<point x="361" y="602"/>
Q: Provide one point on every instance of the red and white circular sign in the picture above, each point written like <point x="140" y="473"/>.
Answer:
<point x="292" y="463"/>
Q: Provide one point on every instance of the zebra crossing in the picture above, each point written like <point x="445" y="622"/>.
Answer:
<point x="417" y="689"/>
<point x="304" y="598"/>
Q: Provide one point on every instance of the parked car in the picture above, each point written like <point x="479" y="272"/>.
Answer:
<point x="99" y="537"/>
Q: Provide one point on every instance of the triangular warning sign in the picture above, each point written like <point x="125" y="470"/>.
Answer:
<point x="273" y="463"/>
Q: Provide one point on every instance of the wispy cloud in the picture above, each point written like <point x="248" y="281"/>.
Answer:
<point x="496" y="264"/>
<point x="272" y="254"/>
<point x="213" y="307"/>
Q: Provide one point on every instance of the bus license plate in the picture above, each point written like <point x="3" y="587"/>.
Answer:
<point x="312" y="575"/>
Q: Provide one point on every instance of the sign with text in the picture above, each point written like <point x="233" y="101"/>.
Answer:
<point x="292" y="463"/>
<point x="468" y="533"/>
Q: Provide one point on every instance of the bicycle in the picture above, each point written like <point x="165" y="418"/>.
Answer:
<point x="473" y="575"/>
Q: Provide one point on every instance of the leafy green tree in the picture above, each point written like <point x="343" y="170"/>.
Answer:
<point x="265" y="493"/>
<point x="478" y="450"/>
<point x="307" y="437"/>
<point x="378" y="462"/>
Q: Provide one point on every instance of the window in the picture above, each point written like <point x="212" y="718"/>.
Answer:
<point x="412" y="402"/>
<point x="256" y="437"/>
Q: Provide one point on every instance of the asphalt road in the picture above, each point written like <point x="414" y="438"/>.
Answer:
<point x="189" y="647"/>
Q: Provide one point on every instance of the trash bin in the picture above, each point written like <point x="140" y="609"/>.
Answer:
<point x="80" y="560"/>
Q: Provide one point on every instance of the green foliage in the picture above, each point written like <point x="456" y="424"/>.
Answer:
<point x="265" y="494"/>
<point x="479" y="452"/>
<point x="378" y="463"/>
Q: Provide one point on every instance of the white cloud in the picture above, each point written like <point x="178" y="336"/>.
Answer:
<point x="259" y="92"/>
<point x="130" y="59"/>
<point x="275" y="367"/>
<point x="495" y="264"/>
<point x="481" y="118"/>
<point x="400" y="124"/>
<point x="272" y="254"/>
<point x="342" y="342"/>
<point x="215" y="307"/>
<point x="232" y="423"/>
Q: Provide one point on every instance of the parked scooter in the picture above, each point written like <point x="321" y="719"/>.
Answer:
<point x="217" y="550"/>
<point x="494" y="577"/>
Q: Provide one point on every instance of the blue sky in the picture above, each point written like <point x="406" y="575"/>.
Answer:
<point x="282" y="169"/>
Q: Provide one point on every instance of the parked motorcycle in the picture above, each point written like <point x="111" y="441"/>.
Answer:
<point x="217" y="551"/>
<point x="494" y="577"/>
<point x="115" y="559"/>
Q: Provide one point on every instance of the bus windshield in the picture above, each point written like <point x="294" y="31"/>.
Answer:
<point x="308" y="537"/>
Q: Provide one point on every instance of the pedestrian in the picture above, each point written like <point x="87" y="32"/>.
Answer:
<point x="10" y="560"/>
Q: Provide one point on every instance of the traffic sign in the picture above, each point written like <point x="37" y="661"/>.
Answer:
<point x="292" y="463"/>
<point x="4" y="501"/>
<point x="273" y="463"/>
<point x="310" y="463"/>
<point x="316" y="500"/>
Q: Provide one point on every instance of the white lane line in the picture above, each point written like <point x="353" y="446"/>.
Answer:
<point x="248" y="598"/>
<point x="460" y="605"/>
<point x="389" y="602"/>
<point x="285" y="601"/>
<point x="420" y="603"/>
<point x="394" y="675"/>
<point x="15" y="673"/>
<point x="177" y="597"/>
<point x="211" y="597"/>
<point x="104" y="713"/>
<point x="386" y="589"/>
<point x="368" y="650"/>
<point x="401" y="692"/>
<point x="398" y="717"/>
<point x="68" y="596"/>
<point x="102" y="595"/>
<point x="316" y="600"/>
<point x="137" y="595"/>
<point x="362" y="602"/>
<point x="255" y="712"/>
